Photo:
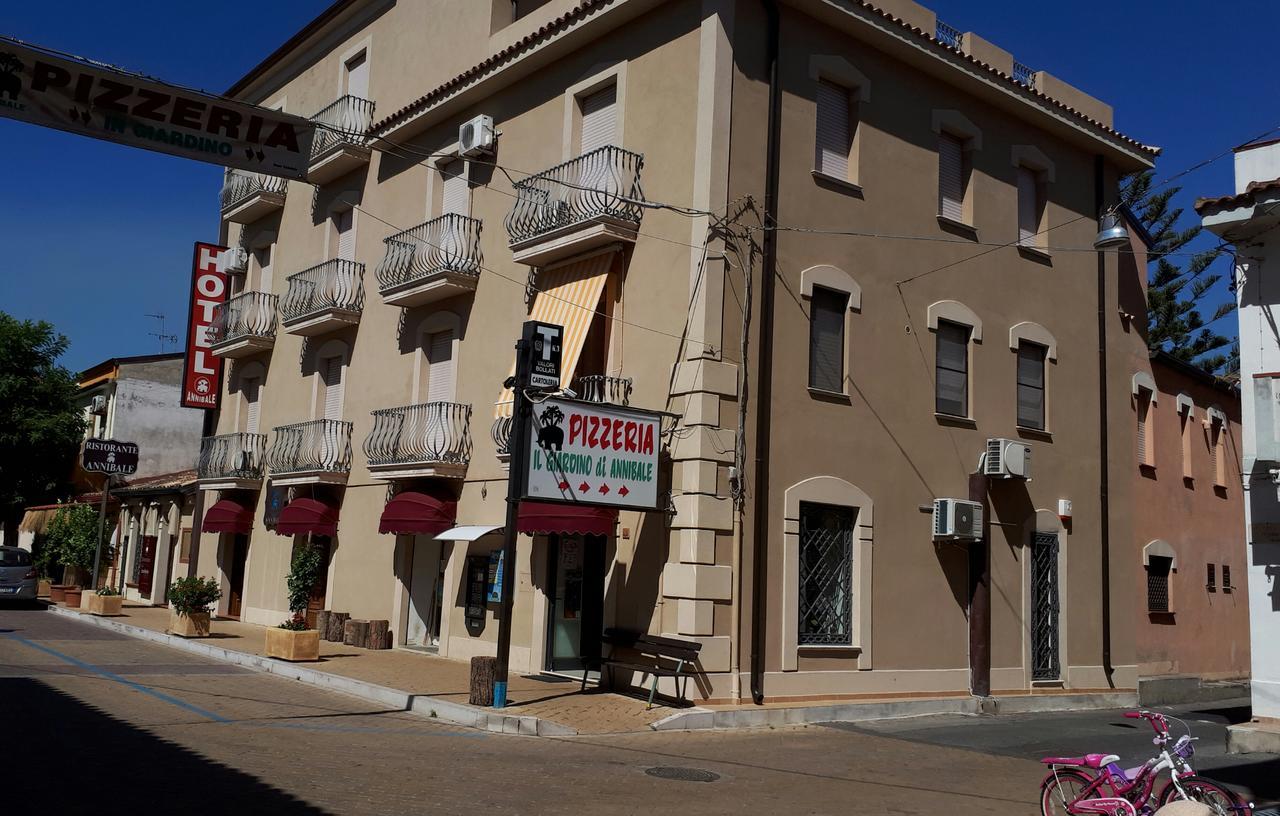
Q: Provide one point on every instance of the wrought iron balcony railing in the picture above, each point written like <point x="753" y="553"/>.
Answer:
<point x="948" y="35"/>
<point x="321" y="445"/>
<point x="238" y="185"/>
<point x="335" y="285"/>
<point x="345" y="121"/>
<point x="601" y="388"/>
<point x="602" y="184"/>
<point x="251" y="314"/>
<point x="232" y="456"/>
<point x="426" y="434"/>
<point x="500" y="433"/>
<point x="450" y="243"/>
<point x="1024" y="74"/>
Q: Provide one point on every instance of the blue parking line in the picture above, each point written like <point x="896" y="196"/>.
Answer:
<point x="159" y="695"/>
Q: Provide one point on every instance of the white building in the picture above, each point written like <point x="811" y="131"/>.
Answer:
<point x="1248" y="220"/>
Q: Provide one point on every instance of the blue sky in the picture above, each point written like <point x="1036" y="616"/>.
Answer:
<point x="96" y="236"/>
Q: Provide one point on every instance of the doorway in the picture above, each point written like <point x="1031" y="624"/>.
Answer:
<point x="239" y="552"/>
<point x="320" y="589"/>
<point x="1045" y="607"/>
<point x="146" y="566"/>
<point x="576" y="590"/>
<point x="426" y="594"/>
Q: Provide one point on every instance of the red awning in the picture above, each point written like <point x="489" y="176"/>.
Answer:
<point x="544" y="517"/>
<point x="227" y="516"/>
<point x="302" y="516"/>
<point x="418" y="513"/>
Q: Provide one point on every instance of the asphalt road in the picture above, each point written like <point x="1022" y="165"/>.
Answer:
<point x="97" y="723"/>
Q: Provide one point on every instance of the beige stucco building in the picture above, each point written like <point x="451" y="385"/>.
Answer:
<point x="933" y="286"/>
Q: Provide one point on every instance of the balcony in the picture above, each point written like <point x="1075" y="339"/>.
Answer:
<point x="315" y="452"/>
<point x="231" y="461"/>
<point x="246" y="197"/>
<point x="587" y="202"/>
<point x="596" y="388"/>
<point x="244" y="325"/>
<point x="323" y="298"/>
<point x="431" y="439"/>
<point x="432" y="261"/>
<point x="341" y="144"/>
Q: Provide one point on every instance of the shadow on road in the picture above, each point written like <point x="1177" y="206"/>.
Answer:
<point x="99" y="755"/>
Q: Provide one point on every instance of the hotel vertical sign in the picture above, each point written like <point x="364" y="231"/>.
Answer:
<point x="202" y="371"/>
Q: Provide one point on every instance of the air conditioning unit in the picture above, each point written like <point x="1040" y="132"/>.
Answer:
<point x="1007" y="459"/>
<point x="476" y="137"/>
<point x="957" y="519"/>
<point x="98" y="405"/>
<point x="233" y="260"/>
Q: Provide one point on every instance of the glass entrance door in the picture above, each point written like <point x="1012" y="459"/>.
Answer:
<point x="577" y="601"/>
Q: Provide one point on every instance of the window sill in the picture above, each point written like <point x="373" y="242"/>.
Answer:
<point x="1035" y="253"/>
<point x="829" y="396"/>
<point x="951" y="419"/>
<point x="961" y="228"/>
<point x="828" y="647"/>
<point x="1035" y="433"/>
<point x="1059" y="683"/>
<point x="838" y="184"/>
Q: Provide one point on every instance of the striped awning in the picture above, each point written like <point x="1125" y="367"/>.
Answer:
<point x="567" y="296"/>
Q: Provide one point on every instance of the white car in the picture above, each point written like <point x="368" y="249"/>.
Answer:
<point x="17" y="575"/>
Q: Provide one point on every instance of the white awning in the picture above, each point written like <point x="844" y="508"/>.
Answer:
<point x="467" y="533"/>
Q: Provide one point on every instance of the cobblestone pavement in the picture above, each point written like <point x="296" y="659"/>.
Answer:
<point x="94" y="722"/>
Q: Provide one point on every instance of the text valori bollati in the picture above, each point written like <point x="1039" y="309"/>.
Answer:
<point x="594" y="453"/>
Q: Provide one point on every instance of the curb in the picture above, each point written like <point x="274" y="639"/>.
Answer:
<point x="420" y="704"/>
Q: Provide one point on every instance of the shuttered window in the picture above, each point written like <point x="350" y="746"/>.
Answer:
<point x="834" y="131"/>
<point x="599" y="119"/>
<point x="1226" y="578"/>
<point x="1185" y="433"/>
<point x="440" y="367"/>
<point x="951" y="177"/>
<point x="456" y="197"/>
<point x="263" y="255"/>
<point x="1144" y="415"/>
<point x="1158" y="569"/>
<point x="358" y="76"/>
<point x="344" y="230"/>
<point x="952" y="388"/>
<point x="1216" y="461"/>
<point x="826" y="339"/>
<point x="332" y="382"/>
<point x="1028" y="207"/>
<point x="1031" y="358"/>
<point x="252" y="393"/>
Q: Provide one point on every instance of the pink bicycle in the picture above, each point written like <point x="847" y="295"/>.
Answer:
<point x="1096" y="784"/>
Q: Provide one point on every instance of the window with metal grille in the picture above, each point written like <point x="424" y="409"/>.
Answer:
<point x="1158" y="569"/>
<point x="826" y="339"/>
<point x="826" y="575"/>
<point x="952" y="177"/>
<point x="835" y="128"/>
<point x="952" y="375"/>
<point x="1031" y="385"/>
<point x="1211" y="580"/>
<point x="1226" y="578"/>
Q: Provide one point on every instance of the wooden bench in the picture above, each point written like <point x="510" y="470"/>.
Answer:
<point x="650" y="654"/>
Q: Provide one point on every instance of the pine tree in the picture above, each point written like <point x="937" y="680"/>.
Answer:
<point x="1175" y="324"/>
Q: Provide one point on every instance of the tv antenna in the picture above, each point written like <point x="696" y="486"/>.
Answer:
<point x="161" y="335"/>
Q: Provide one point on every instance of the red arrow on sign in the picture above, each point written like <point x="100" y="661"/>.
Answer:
<point x="604" y="488"/>
<point x="563" y="485"/>
<point x="584" y="487"/>
<point x="622" y="491"/>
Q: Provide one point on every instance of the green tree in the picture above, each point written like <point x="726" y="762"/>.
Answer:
<point x="1175" y="291"/>
<point x="72" y="537"/>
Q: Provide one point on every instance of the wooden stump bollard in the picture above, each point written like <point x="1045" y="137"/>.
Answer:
<point x="322" y="622"/>
<point x="336" y="627"/>
<point x="356" y="633"/>
<point x="483" y="670"/>
<point x="379" y="635"/>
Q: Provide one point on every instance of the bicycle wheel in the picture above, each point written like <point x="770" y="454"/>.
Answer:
<point x="1218" y="798"/>
<point x="1060" y="789"/>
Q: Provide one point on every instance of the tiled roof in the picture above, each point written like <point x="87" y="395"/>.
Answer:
<point x="585" y="8"/>
<point x="164" y="481"/>
<point x="1228" y="202"/>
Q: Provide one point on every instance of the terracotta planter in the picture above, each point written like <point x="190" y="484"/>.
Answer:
<point x="42" y="588"/>
<point x="287" y="644"/>
<point x="96" y="604"/>
<point x="72" y="595"/>
<point x="58" y="592"/>
<point x="189" y="626"/>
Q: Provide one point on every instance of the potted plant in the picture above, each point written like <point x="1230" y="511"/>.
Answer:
<point x="105" y="601"/>
<point x="72" y="596"/>
<point x="292" y="640"/>
<point x="72" y="541"/>
<point x="189" y="601"/>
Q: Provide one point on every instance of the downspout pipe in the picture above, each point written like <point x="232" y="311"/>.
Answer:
<point x="764" y="374"/>
<point x="1104" y="500"/>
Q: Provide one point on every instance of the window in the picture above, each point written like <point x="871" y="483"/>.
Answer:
<point x="184" y="549"/>
<point x="455" y="198"/>
<point x="1226" y="578"/>
<point x="342" y="242"/>
<point x="1184" y="430"/>
<point x="599" y="119"/>
<point x="826" y="339"/>
<point x="1217" y="459"/>
<point x="251" y="387"/>
<point x="357" y="70"/>
<point x="331" y="373"/>
<point x="1211" y="579"/>
<point x="262" y="260"/>
<point x="1146" y="445"/>
<point x="1031" y="358"/>
<point x="953" y="177"/>
<point x="952" y="379"/>
<point x="1158" y="569"/>
<point x="833" y="149"/>
<point x="826" y="575"/>
<point x="1030" y="208"/>
<point x="440" y="367"/>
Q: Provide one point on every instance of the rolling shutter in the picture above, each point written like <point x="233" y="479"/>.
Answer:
<point x="344" y="225"/>
<point x="264" y="254"/>
<point x="358" y="76"/>
<point x="456" y="193"/>
<point x="1028" y="206"/>
<point x="832" y="146"/>
<point x="950" y="177"/>
<point x="826" y="339"/>
<point x="440" y="367"/>
<point x="252" y="389"/>
<point x="1144" y="407"/>
<point x="599" y="117"/>
<point x="332" y="369"/>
